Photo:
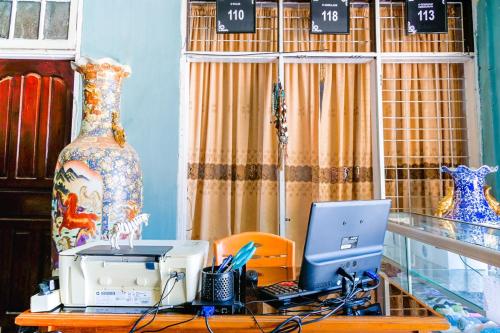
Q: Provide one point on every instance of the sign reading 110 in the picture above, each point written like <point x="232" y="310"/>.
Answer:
<point x="235" y="16"/>
<point x="329" y="16"/>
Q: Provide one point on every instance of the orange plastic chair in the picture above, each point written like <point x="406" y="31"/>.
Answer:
<point x="272" y="250"/>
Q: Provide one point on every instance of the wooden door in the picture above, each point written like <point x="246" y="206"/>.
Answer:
<point x="36" y="99"/>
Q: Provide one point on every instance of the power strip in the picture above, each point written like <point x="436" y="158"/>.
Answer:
<point x="45" y="303"/>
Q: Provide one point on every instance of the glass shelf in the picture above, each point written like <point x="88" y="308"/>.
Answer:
<point x="453" y="229"/>
<point x="476" y="241"/>
<point x="443" y="261"/>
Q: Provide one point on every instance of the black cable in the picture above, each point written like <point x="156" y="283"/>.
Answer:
<point x="154" y="308"/>
<point x="208" y="326"/>
<point x="157" y="308"/>
<point x="171" y="325"/>
<point x="286" y="327"/>
<point x="466" y="264"/>
<point x="296" y="322"/>
<point x="148" y="311"/>
<point x="254" y="318"/>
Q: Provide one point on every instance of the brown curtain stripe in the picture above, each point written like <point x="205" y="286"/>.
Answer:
<point x="303" y="173"/>
<point x="416" y="171"/>
<point x="232" y="172"/>
<point x="328" y="175"/>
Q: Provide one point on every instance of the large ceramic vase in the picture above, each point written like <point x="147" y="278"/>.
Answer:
<point x="470" y="201"/>
<point x="98" y="179"/>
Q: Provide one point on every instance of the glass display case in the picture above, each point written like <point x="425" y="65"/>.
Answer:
<point x="454" y="266"/>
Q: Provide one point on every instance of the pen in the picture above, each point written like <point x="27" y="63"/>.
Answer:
<point x="224" y="264"/>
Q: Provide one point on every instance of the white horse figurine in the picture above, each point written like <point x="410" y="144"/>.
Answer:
<point x="128" y="228"/>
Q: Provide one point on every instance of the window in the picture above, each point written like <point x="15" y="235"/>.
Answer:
<point x="38" y="24"/>
<point x="374" y="113"/>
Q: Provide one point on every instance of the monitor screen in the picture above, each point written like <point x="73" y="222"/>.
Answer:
<point x="347" y="234"/>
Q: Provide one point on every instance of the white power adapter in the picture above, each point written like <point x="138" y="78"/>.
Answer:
<point x="45" y="303"/>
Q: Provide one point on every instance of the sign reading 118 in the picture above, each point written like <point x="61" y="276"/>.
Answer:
<point x="235" y="16"/>
<point x="330" y="15"/>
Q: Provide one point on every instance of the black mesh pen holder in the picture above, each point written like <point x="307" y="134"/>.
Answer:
<point x="217" y="287"/>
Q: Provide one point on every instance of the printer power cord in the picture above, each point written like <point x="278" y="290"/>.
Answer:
<point x="178" y="276"/>
<point x="171" y="325"/>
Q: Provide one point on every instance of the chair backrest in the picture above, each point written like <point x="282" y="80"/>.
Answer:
<point x="272" y="250"/>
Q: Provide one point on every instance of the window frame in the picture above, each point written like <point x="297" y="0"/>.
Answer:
<point x="376" y="59"/>
<point x="19" y="46"/>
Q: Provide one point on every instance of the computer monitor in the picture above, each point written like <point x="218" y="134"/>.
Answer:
<point x="347" y="234"/>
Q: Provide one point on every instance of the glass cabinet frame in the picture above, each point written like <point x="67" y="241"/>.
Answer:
<point x="426" y="252"/>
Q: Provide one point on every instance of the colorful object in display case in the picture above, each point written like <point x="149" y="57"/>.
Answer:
<point x="98" y="178"/>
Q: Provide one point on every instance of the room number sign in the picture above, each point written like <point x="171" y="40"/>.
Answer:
<point x="426" y="16"/>
<point x="329" y="16"/>
<point x="235" y="16"/>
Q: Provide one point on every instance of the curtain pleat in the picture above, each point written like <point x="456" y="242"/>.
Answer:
<point x="232" y="182"/>
<point x="330" y="146"/>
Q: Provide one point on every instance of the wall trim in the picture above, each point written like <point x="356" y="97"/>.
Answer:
<point x="182" y="195"/>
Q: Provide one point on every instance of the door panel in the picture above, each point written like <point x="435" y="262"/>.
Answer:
<point x="36" y="100"/>
<point x="36" y="108"/>
<point x="5" y="103"/>
<point x="25" y="247"/>
<point x="28" y="128"/>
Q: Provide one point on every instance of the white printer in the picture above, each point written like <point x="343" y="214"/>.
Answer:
<point x="94" y="274"/>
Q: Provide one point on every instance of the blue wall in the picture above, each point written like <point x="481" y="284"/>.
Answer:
<point x="146" y="35"/>
<point x="488" y="45"/>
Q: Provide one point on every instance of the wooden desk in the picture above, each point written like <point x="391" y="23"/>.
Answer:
<point x="404" y="313"/>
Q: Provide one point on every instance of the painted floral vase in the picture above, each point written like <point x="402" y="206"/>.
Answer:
<point x="470" y="201"/>
<point x="98" y="179"/>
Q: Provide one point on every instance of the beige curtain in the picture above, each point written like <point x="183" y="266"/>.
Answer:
<point x="424" y="124"/>
<point x="297" y="28"/>
<point x="232" y="178"/>
<point x="330" y="147"/>
<point x="424" y="128"/>
<point x="203" y="36"/>
<point x="232" y="143"/>
<point x="395" y="39"/>
<point x="232" y="150"/>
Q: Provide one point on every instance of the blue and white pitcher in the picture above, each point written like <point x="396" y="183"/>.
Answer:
<point x="471" y="202"/>
<point x="469" y="199"/>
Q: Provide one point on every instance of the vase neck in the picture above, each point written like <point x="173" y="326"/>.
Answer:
<point x="468" y="184"/>
<point x="101" y="98"/>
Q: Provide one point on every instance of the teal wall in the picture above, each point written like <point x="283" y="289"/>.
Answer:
<point x="488" y="46"/>
<point x="146" y="35"/>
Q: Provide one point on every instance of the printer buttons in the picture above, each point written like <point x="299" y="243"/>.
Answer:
<point x="105" y="281"/>
<point x="142" y="281"/>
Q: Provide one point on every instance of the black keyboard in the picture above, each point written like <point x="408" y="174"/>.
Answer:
<point x="283" y="291"/>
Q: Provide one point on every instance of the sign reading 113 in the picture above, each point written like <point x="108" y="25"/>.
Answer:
<point x="235" y="16"/>
<point x="426" y="16"/>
